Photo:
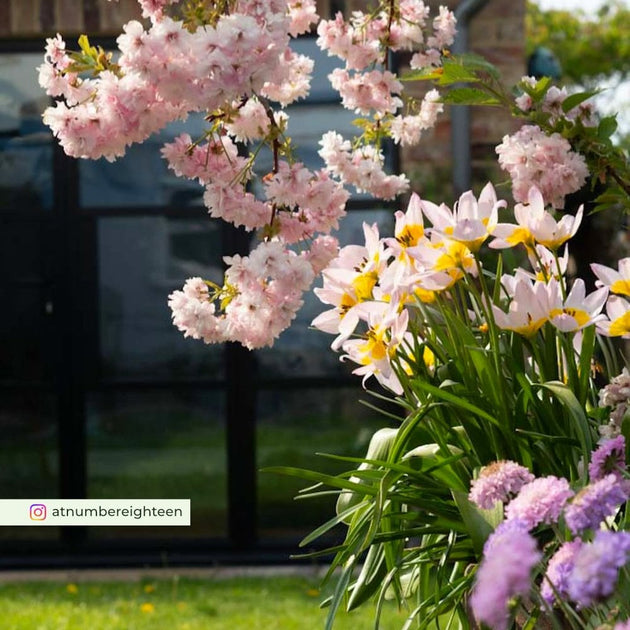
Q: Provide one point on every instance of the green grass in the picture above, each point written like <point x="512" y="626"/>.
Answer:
<point x="271" y="603"/>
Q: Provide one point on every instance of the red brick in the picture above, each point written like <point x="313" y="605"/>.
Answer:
<point x="25" y="17"/>
<point x="114" y="14"/>
<point x="69" y="16"/>
<point x="5" y="18"/>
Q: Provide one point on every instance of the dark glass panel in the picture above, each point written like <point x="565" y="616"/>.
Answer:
<point x="294" y="425"/>
<point x="26" y="322"/>
<point x="159" y="444"/>
<point x="25" y="142"/>
<point x="142" y="260"/>
<point x="28" y="451"/>
<point x="141" y="178"/>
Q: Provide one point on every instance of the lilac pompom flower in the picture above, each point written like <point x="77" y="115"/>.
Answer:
<point x="540" y="501"/>
<point x="498" y="481"/>
<point x="510" y="554"/>
<point x="596" y="567"/>
<point x="596" y="502"/>
<point x="555" y="583"/>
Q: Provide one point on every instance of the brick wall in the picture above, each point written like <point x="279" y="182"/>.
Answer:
<point x="28" y="18"/>
<point x="497" y="32"/>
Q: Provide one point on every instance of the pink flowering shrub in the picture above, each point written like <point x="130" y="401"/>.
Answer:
<point x="489" y="491"/>
<point x="234" y="62"/>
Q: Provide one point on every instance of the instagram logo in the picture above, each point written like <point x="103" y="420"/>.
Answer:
<point x="37" y="512"/>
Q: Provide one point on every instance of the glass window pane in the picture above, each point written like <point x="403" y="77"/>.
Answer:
<point x="141" y="178"/>
<point x="159" y="445"/>
<point x="26" y="322"/>
<point x="25" y="142"/>
<point x="294" y="425"/>
<point x="28" y="448"/>
<point x="141" y="261"/>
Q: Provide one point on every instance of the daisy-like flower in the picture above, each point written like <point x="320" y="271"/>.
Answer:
<point x="498" y="481"/>
<point x="529" y="308"/>
<point x="509" y="555"/>
<point x="374" y="352"/>
<point x="540" y="501"/>
<point x="444" y="262"/>
<point x="536" y="225"/>
<point x="471" y="221"/>
<point x="577" y="310"/>
<point x="350" y="280"/>
<point x="617" y="281"/>
<point x="618" y="324"/>
<point x="545" y="265"/>
<point x="402" y="272"/>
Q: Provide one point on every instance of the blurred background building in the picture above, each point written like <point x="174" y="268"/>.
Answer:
<point x="100" y="396"/>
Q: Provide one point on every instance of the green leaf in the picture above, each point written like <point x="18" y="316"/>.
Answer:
<point x="339" y="518"/>
<point x="369" y="581"/>
<point x="478" y="63"/>
<point x="607" y="126"/>
<point x="469" y="96"/>
<point x="573" y="100"/>
<point x="576" y="411"/>
<point x="340" y="591"/>
<point x="457" y="401"/>
<point x="330" y="480"/>
<point x="84" y="44"/>
<point x="479" y="523"/>
<point x="450" y="72"/>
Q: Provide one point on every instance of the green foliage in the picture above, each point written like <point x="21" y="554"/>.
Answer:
<point x="586" y="49"/>
<point x="91" y="59"/>
<point x="270" y="602"/>
<point x="486" y="394"/>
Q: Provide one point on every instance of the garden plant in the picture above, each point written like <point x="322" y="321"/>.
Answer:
<point x="497" y="495"/>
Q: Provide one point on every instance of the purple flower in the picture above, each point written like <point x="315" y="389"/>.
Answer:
<point x="596" y="567"/>
<point x="540" y="501"/>
<point x="595" y="502"/>
<point x="610" y="457"/>
<point x="498" y="481"/>
<point x="510" y="553"/>
<point x="622" y="625"/>
<point x="558" y="571"/>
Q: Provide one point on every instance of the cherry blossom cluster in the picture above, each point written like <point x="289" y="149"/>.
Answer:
<point x="532" y="158"/>
<point x="616" y="396"/>
<point x="367" y="86"/>
<point x="100" y="117"/>
<point x="261" y="295"/>
<point x="552" y="103"/>
<point x="583" y="569"/>
<point x="233" y="61"/>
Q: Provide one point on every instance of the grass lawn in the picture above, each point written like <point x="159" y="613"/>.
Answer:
<point x="270" y="603"/>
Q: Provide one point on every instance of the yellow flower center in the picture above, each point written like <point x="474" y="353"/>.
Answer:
<point x="457" y="256"/>
<point x="620" y="326"/>
<point x="621" y="287"/>
<point x="581" y="317"/>
<point x="521" y="235"/>
<point x="374" y="348"/>
<point x="410" y="235"/>
<point x="363" y="285"/>
<point x="346" y="303"/>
